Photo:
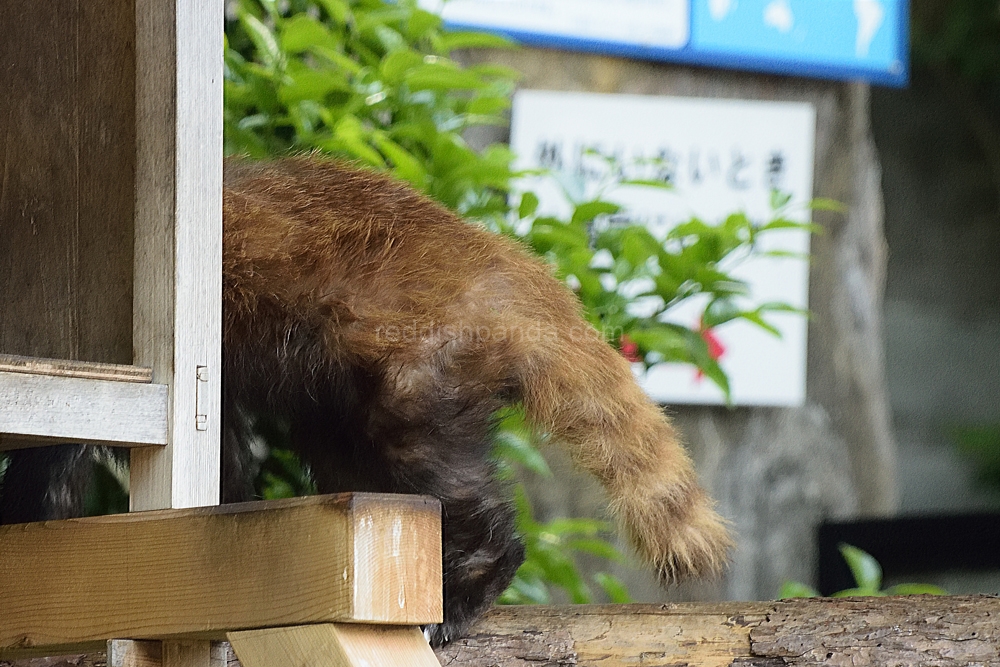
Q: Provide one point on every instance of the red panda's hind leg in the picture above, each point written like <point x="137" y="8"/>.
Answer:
<point x="434" y="435"/>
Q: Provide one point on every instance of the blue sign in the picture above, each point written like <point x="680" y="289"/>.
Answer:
<point x="828" y="38"/>
<point x="834" y="39"/>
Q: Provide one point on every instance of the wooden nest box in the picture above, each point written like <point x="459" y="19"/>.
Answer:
<point x="110" y="333"/>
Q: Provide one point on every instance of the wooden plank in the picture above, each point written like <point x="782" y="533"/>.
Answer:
<point x="198" y="573"/>
<point x="66" y="179"/>
<point x="177" y="327"/>
<point x="45" y="410"/>
<point x="88" y="370"/>
<point x="334" y="645"/>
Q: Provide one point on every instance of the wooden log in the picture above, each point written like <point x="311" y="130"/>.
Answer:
<point x="199" y="573"/>
<point x="609" y="635"/>
<point x="46" y="409"/>
<point x="916" y="631"/>
<point x="945" y="631"/>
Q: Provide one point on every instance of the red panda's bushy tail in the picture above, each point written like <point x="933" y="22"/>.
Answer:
<point x="582" y="392"/>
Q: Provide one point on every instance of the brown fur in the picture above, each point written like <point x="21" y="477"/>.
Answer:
<point x="331" y="272"/>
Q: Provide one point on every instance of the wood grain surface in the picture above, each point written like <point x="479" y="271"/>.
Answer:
<point x="913" y="631"/>
<point x="333" y="645"/>
<point x="199" y="573"/>
<point x="45" y="409"/>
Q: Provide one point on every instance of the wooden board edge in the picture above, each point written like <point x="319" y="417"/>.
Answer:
<point x="47" y="409"/>
<point x="88" y="370"/>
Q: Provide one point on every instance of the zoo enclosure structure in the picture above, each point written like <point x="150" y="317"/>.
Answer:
<point x="110" y="329"/>
<point x="110" y="246"/>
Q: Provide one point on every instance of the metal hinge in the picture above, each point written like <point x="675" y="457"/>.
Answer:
<point x="201" y="416"/>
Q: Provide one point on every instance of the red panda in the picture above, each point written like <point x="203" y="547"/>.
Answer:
<point x="386" y="332"/>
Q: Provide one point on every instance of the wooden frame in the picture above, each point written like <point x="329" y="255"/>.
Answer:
<point x="201" y="573"/>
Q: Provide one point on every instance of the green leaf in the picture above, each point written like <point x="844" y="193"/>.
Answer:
<point x="406" y="166"/>
<point x="390" y="39"/>
<point x="866" y="570"/>
<point x="780" y="199"/>
<point x="666" y="339"/>
<point x="484" y="105"/>
<point x="638" y="245"/>
<point x="338" y="59"/>
<point x="475" y="40"/>
<point x="597" y="547"/>
<point x="301" y="32"/>
<point x="613" y="588"/>
<point x="796" y="589"/>
<point x="544" y="236"/>
<point x="647" y="183"/>
<point x="821" y="204"/>
<point x="526" y="589"/>
<point x="863" y="592"/>
<point x="514" y="447"/>
<point x="785" y="223"/>
<point x="338" y="10"/>
<point x="916" y="589"/>
<point x="263" y="39"/>
<point x="440" y="77"/>
<point x="307" y="84"/>
<point x="528" y="205"/>
<point x="423" y="25"/>
<point x="590" y="210"/>
<point x="396" y="64"/>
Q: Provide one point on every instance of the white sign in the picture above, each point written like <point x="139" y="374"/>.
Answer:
<point x="649" y="23"/>
<point x="722" y="156"/>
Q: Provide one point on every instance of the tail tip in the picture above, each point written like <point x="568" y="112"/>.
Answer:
<point x="699" y="549"/>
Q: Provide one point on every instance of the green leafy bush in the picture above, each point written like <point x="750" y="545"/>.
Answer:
<point x="867" y="577"/>
<point x="981" y="445"/>
<point x="372" y="81"/>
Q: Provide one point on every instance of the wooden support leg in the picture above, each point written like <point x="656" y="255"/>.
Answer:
<point x="334" y="645"/>
<point x="132" y="653"/>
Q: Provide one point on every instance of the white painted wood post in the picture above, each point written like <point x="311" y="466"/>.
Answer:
<point x="177" y="310"/>
<point x="178" y="244"/>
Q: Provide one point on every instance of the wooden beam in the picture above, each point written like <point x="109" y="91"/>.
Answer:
<point x="917" y="631"/>
<point x="334" y="645"/>
<point x="45" y="410"/>
<point x="199" y="573"/>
